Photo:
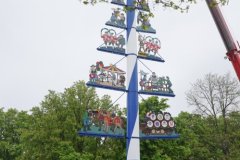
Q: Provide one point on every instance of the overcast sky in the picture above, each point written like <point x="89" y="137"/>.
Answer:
<point x="49" y="45"/>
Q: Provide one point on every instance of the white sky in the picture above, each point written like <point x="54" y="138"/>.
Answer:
<point x="51" y="44"/>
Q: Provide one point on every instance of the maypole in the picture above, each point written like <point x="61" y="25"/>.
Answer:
<point x="107" y="122"/>
<point x="133" y="143"/>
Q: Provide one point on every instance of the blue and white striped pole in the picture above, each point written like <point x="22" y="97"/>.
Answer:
<point x="133" y="143"/>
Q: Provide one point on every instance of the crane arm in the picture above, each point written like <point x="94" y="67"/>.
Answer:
<point x="233" y="53"/>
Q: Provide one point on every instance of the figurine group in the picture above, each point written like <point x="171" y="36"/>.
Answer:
<point x="143" y="20"/>
<point x="155" y="83"/>
<point x="102" y="121"/>
<point x="143" y="5"/>
<point x="148" y="46"/>
<point x="117" y="19"/>
<point x="110" y="38"/>
<point x="157" y="123"/>
<point x="108" y="76"/>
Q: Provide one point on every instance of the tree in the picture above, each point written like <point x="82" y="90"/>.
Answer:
<point x="52" y="133"/>
<point x="216" y="97"/>
<point x="11" y="124"/>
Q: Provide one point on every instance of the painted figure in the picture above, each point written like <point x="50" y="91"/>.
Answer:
<point x="156" y="47"/>
<point x="105" y="38"/>
<point x="154" y="79"/>
<point x="122" y="19"/>
<point x="93" y="74"/>
<point x="169" y="85"/>
<point x="120" y="41"/>
<point x="143" y="79"/>
<point x="144" y="19"/>
<point x="141" y="40"/>
<point x="122" y="80"/>
<point x="100" y="119"/>
<point x="155" y="83"/>
<point x="117" y="121"/>
<point x="107" y="122"/>
<point x="112" y="40"/>
<point x="114" y="78"/>
<point x="143" y="4"/>
<point x="148" y="46"/>
<point x="117" y="18"/>
<point x="86" y="121"/>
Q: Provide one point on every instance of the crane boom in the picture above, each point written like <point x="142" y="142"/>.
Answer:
<point x="232" y="51"/>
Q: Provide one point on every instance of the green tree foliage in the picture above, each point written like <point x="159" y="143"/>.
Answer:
<point x="12" y="124"/>
<point x="215" y="97"/>
<point x="52" y="133"/>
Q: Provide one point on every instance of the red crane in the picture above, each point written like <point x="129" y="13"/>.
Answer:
<point x="233" y="54"/>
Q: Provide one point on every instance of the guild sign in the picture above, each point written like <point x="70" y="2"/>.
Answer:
<point x="153" y="83"/>
<point x="110" y="76"/>
<point x="143" y="20"/>
<point x="157" y="123"/>
<point x="112" y="42"/>
<point x="142" y="5"/>
<point x="149" y="47"/>
<point x="117" y="18"/>
<point x="102" y="122"/>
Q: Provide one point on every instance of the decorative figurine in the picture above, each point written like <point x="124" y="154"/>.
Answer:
<point x="86" y="121"/>
<point x="112" y="42"/>
<point x="155" y="83"/>
<point x="93" y="74"/>
<point x="143" y="5"/>
<point x="117" y="19"/>
<point x="103" y="122"/>
<point x="143" y="20"/>
<point x="149" y="47"/>
<point x="107" y="75"/>
<point x="157" y="123"/>
<point x="143" y="79"/>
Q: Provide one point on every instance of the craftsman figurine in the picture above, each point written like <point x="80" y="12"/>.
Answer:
<point x="148" y="47"/>
<point x="144" y="22"/>
<point x="112" y="42"/>
<point x="144" y="19"/>
<point x="117" y="18"/>
<point x="120" y="41"/>
<point x="86" y="121"/>
<point x="93" y="74"/>
<point x="107" y="75"/>
<point x="155" y="83"/>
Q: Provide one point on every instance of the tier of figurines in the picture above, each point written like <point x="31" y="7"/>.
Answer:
<point x="107" y="75"/>
<point x="103" y="122"/>
<point x="118" y="19"/>
<point x="149" y="47"/>
<point x="154" y="83"/>
<point x="112" y="42"/>
<point x="157" y="123"/>
<point x="143" y="19"/>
